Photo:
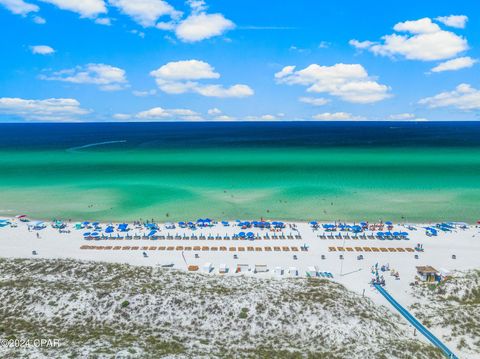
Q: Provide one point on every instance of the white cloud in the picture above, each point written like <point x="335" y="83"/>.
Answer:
<point x="42" y="50"/>
<point x="52" y="109"/>
<point x="361" y="44"/>
<point x="315" y="101"/>
<point x="39" y="20"/>
<point x="458" y="21"/>
<point x="214" y="111"/>
<point x="337" y="116"/>
<point x="464" y="97"/>
<point x="146" y="12"/>
<point x="161" y="114"/>
<point x="103" y="21"/>
<point x="197" y="27"/>
<point x="182" y="76"/>
<point x="122" y="116"/>
<point x="455" y="64"/>
<point x="108" y="78"/>
<point x="86" y="8"/>
<point x="144" y="93"/>
<point x="402" y="116"/>
<point x="19" y="7"/>
<point x="224" y="118"/>
<point x="417" y="40"/>
<point x="350" y="82"/>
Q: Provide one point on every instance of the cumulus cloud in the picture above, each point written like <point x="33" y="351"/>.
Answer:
<point x="122" y="116"/>
<point x="224" y="118"/>
<point x="198" y="25"/>
<point x="337" y="116"/>
<point x="161" y="114"/>
<point x="417" y="40"/>
<point x="39" y="20"/>
<point x="458" y="21"/>
<point x="19" y="7"/>
<point x="464" y="97"/>
<point x="315" y="101"/>
<point x="144" y="93"/>
<point x="455" y="64"/>
<point x="214" y="111"/>
<point x="146" y="12"/>
<point x="107" y="77"/>
<point x="103" y="21"/>
<point x="52" y="109"/>
<point x="349" y="82"/>
<point x="86" y="8"/>
<point x="183" y="76"/>
<point x="42" y="50"/>
<point x="402" y="116"/>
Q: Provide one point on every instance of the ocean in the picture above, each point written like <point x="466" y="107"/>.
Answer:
<point x="401" y="171"/>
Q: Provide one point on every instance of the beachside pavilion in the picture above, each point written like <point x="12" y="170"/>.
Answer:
<point x="428" y="274"/>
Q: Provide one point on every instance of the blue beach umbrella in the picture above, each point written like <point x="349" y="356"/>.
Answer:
<point x="388" y="223"/>
<point x="241" y="234"/>
<point x="86" y="234"/>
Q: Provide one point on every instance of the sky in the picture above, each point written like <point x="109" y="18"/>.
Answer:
<point x="249" y="60"/>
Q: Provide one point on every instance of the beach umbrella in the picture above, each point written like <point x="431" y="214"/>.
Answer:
<point x="86" y="223"/>
<point x="250" y="234"/>
<point x="151" y="233"/>
<point x="241" y="234"/>
<point x="380" y="234"/>
<point x="86" y="234"/>
<point x="364" y="224"/>
<point x="388" y="223"/>
<point x="94" y="234"/>
<point x="313" y="223"/>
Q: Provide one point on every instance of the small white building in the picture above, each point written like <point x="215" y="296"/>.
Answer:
<point x="278" y="271"/>
<point x="242" y="268"/>
<point x="293" y="271"/>
<point x="312" y="271"/>
<point x="207" y="267"/>
<point x="223" y="269"/>
<point x="261" y="268"/>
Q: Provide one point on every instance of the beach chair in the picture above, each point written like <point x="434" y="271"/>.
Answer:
<point x="392" y="249"/>
<point x="400" y="250"/>
<point x="214" y="249"/>
<point x="268" y="249"/>
<point x="205" y="249"/>
<point x="409" y="249"/>
<point x="285" y="249"/>
<point x="223" y="249"/>
<point x="383" y="249"/>
<point x="341" y="249"/>
<point x="125" y="248"/>
<point x="332" y="249"/>
<point x="135" y="248"/>
<point x="144" y="248"/>
<point x="258" y="249"/>
<point x="196" y="248"/>
<point x="367" y="249"/>
<point x="241" y="249"/>
<point x="294" y="249"/>
<point x="187" y="248"/>
<point x="349" y="249"/>
<point x="162" y="248"/>
<point x="170" y="248"/>
<point x="192" y="268"/>
<point x="232" y="249"/>
<point x="375" y="249"/>
<point x="359" y="249"/>
<point x="250" y="249"/>
<point x="179" y="248"/>
<point x="116" y="248"/>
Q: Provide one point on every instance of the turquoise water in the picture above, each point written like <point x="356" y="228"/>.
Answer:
<point x="165" y="176"/>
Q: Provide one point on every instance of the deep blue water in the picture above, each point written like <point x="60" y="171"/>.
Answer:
<point x="46" y="136"/>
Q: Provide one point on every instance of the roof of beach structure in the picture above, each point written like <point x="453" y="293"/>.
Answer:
<point x="426" y="269"/>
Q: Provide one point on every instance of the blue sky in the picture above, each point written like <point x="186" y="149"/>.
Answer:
<point x="155" y="60"/>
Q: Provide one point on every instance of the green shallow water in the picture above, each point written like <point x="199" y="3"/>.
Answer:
<point x="410" y="184"/>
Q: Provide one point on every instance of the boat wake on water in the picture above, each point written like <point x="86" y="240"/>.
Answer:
<point x="96" y="144"/>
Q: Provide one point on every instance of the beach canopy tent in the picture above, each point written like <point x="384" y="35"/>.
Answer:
<point x="38" y="225"/>
<point x="4" y="222"/>
<point x="123" y="227"/>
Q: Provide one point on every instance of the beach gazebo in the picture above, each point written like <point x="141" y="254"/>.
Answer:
<point x="428" y="274"/>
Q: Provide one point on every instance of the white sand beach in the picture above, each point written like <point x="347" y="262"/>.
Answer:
<point x="270" y="255"/>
